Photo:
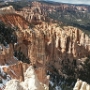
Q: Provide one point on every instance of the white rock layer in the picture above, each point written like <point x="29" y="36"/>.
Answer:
<point x="81" y="85"/>
<point x="31" y="82"/>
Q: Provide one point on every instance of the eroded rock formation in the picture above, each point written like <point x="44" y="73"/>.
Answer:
<point x="81" y="85"/>
<point x="16" y="71"/>
<point x="14" y="20"/>
<point x="30" y="82"/>
<point x="6" y="55"/>
<point x="47" y="46"/>
<point x="7" y="10"/>
<point x="50" y="44"/>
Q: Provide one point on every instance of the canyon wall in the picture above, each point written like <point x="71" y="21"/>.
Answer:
<point x="6" y="55"/>
<point x="49" y="44"/>
<point x="46" y="44"/>
<point x="14" y="19"/>
<point x="35" y="12"/>
<point x="30" y="82"/>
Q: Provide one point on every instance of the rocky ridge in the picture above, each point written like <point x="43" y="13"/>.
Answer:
<point x="41" y="10"/>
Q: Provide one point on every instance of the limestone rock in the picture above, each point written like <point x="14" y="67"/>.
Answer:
<point x="48" y="44"/>
<point x="45" y="44"/>
<point x="17" y="70"/>
<point x="7" y="10"/>
<point x="14" y="20"/>
<point x="6" y="55"/>
<point x="81" y="85"/>
<point x="14" y="85"/>
<point x="31" y="82"/>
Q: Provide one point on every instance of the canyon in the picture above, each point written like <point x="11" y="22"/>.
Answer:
<point x="48" y="47"/>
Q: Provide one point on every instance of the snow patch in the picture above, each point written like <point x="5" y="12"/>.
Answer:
<point x="31" y="82"/>
<point x="4" y="78"/>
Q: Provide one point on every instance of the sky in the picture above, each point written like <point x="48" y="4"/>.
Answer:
<point x="73" y="1"/>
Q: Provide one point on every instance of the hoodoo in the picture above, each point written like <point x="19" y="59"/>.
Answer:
<point x="38" y="52"/>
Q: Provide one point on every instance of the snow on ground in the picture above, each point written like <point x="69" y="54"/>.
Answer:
<point x="15" y="58"/>
<point x="4" y="78"/>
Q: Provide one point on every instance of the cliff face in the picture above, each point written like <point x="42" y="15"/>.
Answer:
<point x="52" y="45"/>
<point x="17" y="70"/>
<point x="30" y="82"/>
<point x="47" y="11"/>
<point x="47" y="46"/>
<point x="14" y="20"/>
<point x="6" y="55"/>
